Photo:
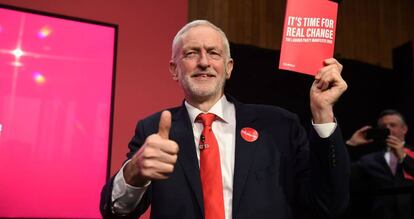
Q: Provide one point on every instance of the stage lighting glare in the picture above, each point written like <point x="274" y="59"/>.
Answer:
<point x="39" y="78"/>
<point x="44" y="32"/>
<point x="17" y="53"/>
<point x="16" y="64"/>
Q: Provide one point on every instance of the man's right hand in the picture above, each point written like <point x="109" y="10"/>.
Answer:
<point x="155" y="160"/>
<point x="359" y="137"/>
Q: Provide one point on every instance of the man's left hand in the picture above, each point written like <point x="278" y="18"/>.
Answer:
<point x="396" y="145"/>
<point x="326" y="90"/>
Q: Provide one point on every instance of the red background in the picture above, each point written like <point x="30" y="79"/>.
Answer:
<point x="143" y="83"/>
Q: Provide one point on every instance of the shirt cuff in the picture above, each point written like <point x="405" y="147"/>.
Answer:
<point x="125" y="197"/>
<point x="324" y="130"/>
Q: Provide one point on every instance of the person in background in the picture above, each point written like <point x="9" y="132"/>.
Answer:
<point x="215" y="158"/>
<point x="385" y="173"/>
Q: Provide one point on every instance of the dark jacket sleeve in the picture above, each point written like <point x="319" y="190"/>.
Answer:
<point x="330" y="173"/>
<point x="143" y="129"/>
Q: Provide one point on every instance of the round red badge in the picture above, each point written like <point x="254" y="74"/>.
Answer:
<point x="249" y="134"/>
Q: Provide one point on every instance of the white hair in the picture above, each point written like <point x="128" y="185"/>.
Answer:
<point x="178" y="37"/>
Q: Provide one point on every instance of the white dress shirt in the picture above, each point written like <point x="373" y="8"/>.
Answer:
<point x="224" y="129"/>
<point x="126" y="197"/>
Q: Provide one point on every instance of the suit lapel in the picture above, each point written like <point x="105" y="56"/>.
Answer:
<point x="380" y="157"/>
<point x="182" y="133"/>
<point x="243" y="155"/>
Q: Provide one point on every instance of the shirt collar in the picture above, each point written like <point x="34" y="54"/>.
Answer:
<point x="219" y="109"/>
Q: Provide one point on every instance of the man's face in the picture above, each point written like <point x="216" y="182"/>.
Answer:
<point x="395" y="124"/>
<point x="201" y="65"/>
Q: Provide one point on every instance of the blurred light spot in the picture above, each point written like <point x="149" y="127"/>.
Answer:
<point x="44" y="32"/>
<point x="17" y="53"/>
<point x="1" y="28"/>
<point x="16" y="64"/>
<point x="39" y="78"/>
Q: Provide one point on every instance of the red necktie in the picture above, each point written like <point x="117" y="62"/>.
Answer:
<point x="210" y="170"/>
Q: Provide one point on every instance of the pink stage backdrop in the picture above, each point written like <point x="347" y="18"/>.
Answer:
<point x="55" y="115"/>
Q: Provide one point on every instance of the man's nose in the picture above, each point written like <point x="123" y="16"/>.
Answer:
<point x="203" y="60"/>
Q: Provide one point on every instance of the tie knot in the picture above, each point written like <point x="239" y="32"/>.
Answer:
<point x="206" y="118"/>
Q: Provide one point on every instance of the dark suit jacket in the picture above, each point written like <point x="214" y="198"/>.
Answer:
<point x="280" y="175"/>
<point x="377" y="193"/>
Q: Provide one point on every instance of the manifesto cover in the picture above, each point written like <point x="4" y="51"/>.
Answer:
<point x="308" y="35"/>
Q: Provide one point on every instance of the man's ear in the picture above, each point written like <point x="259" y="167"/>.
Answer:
<point x="173" y="70"/>
<point x="405" y="129"/>
<point x="229" y="67"/>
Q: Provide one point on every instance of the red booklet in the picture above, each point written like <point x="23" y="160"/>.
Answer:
<point x="308" y="35"/>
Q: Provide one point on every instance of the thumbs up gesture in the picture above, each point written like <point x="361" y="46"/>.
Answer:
<point x="156" y="158"/>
